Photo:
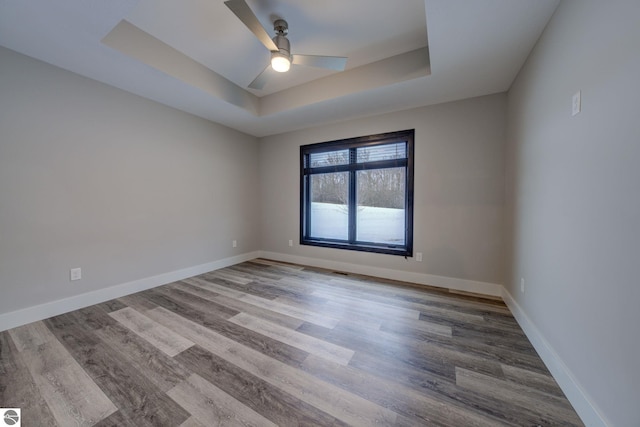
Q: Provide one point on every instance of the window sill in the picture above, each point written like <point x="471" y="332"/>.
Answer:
<point x="361" y="247"/>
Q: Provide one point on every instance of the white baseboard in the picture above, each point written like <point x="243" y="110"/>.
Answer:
<point x="485" y="288"/>
<point x="54" y="308"/>
<point x="581" y="402"/>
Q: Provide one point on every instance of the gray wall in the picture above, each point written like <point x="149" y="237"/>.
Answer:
<point x="125" y="188"/>
<point x="459" y="188"/>
<point x="574" y="198"/>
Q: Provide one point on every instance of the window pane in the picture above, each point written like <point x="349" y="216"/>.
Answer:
<point x="357" y="193"/>
<point x="382" y="152"/>
<point x="329" y="205"/>
<point x="329" y="158"/>
<point x="380" y="216"/>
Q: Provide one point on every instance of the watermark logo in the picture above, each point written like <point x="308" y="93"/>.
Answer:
<point x="10" y="417"/>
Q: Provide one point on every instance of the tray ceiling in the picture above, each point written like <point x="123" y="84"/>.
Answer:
<point x="195" y="55"/>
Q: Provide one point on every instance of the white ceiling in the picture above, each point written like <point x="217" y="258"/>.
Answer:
<point x="195" y="55"/>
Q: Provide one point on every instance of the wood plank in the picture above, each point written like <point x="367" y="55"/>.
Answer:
<point x="430" y="384"/>
<point x="335" y="311"/>
<point x="200" y="282"/>
<point x="264" y="288"/>
<point x="160" y="337"/>
<point x="313" y="330"/>
<point x="448" y="316"/>
<point x="363" y="304"/>
<point x="256" y="271"/>
<point x="429" y="410"/>
<point x="31" y="336"/>
<point x="191" y="422"/>
<point x="304" y="342"/>
<point x="266" y="345"/>
<point x="486" y="335"/>
<point x="160" y="369"/>
<point x="117" y="419"/>
<point x="212" y="406"/>
<point x="195" y="302"/>
<point x="138" y="400"/>
<point x="432" y="352"/>
<point x="72" y="396"/>
<point x="273" y="403"/>
<point x="227" y="275"/>
<point x="266" y="304"/>
<point x="247" y="288"/>
<point x="305" y="298"/>
<point x="287" y="268"/>
<point x="537" y="381"/>
<point x="241" y="306"/>
<point x="417" y="328"/>
<point x="17" y="387"/>
<point x="427" y="304"/>
<point x="392" y="351"/>
<point x="550" y="407"/>
<point x="335" y="401"/>
<point x="138" y="302"/>
<point x="112" y="305"/>
<point x="434" y="356"/>
<point x="93" y="317"/>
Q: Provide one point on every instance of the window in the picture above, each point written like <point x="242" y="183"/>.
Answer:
<point x="358" y="193"/>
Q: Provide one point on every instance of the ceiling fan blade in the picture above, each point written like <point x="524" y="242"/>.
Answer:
<point x="259" y="82"/>
<point x="242" y="10"/>
<point x="337" y="63"/>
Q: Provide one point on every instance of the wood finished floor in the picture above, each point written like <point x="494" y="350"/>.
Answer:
<point x="270" y="344"/>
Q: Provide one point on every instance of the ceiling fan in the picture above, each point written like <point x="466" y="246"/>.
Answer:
<point x="279" y="46"/>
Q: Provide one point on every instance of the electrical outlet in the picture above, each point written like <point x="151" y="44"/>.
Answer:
<point x="419" y="256"/>
<point x="75" y="274"/>
<point x="234" y="244"/>
<point x="290" y="242"/>
<point x="522" y="285"/>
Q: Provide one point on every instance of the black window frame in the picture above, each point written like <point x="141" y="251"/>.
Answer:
<point x="405" y="136"/>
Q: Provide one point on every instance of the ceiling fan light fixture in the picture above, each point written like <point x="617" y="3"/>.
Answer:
<point x="281" y="59"/>
<point x="280" y="63"/>
<point x="279" y="46"/>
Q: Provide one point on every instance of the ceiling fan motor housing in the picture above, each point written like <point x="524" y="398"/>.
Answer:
<point x="281" y="28"/>
<point x="284" y="47"/>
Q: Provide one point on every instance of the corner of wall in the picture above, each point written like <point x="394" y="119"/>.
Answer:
<point x="579" y="398"/>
